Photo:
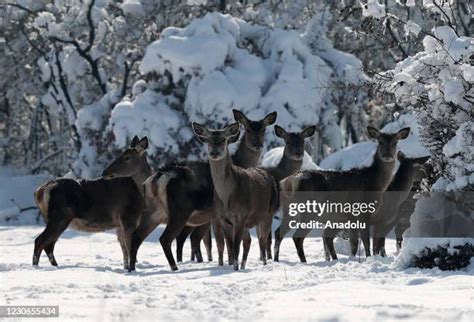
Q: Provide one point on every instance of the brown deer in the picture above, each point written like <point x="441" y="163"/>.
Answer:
<point x="291" y="161"/>
<point x="90" y="206"/>
<point x="177" y="195"/>
<point x="247" y="156"/>
<point x="244" y="198"/>
<point x="409" y="171"/>
<point x="372" y="180"/>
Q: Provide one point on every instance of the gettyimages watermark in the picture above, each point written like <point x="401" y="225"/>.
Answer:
<point x="29" y="311"/>
<point x="439" y="214"/>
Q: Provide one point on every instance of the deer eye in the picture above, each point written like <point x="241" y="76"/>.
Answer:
<point x="126" y="158"/>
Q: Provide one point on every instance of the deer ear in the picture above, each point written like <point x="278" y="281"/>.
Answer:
<point x="143" y="144"/>
<point x="134" y="142"/>
<point x="373" y="133"/>
<point x="308" y="132"/>
<point x="403" y="133"/>
<point x="270" y="119"/>
<point x="234" y="138"/>
<point x="401" y="156"/>
<point x="280" y="132"/>
<point x="200" y="131"/>
<point x="240" y="117"/>
<point x="232" y="130"/>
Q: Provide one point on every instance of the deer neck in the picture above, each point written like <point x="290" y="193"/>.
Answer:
<point x="143" y="173"/>
<point x="288" y="166"/>
<point x="245" y="157"/>
<point x="223" y="176"/>
<point x="403" y="179"/>
<point x="382" y="172"/>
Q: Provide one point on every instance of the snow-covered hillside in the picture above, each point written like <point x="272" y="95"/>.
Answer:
<point x="90" y="284"/>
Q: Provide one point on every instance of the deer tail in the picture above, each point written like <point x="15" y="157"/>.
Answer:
<point x="42" y="197"/>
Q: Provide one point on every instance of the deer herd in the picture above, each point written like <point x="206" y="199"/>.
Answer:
<point x="228" y="194"/>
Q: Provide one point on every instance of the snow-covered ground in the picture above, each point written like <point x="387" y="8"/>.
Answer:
<point x="90" y="284"/>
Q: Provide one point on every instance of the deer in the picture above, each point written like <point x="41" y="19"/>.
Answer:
<point x="372" y="180"/>
<point x="90" y="206"/>
<point x="177" y="194"/>
<point x="291" y="161"/>
<point x="243" y="198"/>
<point x="247" y="155"/>
<point x="389" y="214"/>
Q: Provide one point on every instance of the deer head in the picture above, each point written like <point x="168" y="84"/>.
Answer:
<point x="130" y="162"/>
<point x="294" y="141"/>
<point x="217" y="140"/>
<point x="254" y="130"/>
<point x="387" y="143"/>
<point x="418" y="165"/>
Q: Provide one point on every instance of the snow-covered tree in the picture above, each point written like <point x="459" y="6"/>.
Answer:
<point x="219" y="63"/>
<point x="438" y="85"/>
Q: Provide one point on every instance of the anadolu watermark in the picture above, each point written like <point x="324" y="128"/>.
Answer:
<point x="314" y="213"/>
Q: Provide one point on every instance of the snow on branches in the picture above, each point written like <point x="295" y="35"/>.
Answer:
<point x="219" y="63"/>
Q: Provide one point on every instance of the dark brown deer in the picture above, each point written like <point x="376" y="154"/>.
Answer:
<point x="409" y="171"/>
<point x="372" y="180"/>
<point x="90" y="206"/>
<point x="291" y="161"/>
<point x="247" y="156"/>
<point x="244" y="198"/>
<point x="177" y="195"/>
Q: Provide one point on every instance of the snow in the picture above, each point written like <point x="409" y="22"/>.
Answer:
<point x="412" y="27"/>
<point x="150" y="114"/>
<point x="252" y="68"/>
<point x="90" y="283"/>
<point x="16" y="191"/>
<point x="373" y="8"/>
<point x="273" y="157"/>
<point x="414" y="246"/>
<point x="133" y="7"/>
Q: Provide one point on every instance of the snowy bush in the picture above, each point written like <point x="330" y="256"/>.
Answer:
<point x="219" y="63"/>
<point x="437" y="85"/>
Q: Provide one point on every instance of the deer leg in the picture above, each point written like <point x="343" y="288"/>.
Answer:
<point x="399" y="242"/>
<point x="247" y="240"/>
<point x="180" y="240"/>
<point x="208" y="243"/>
<point x="145" y="228"/>
<point x="236" y="241"/>
<point x="383" y="253"/>
<point x="218" y="232"/>
<point x="365" y="236"/>
<point x="171" y="231"/>
<point x="196" y="249"/>
<point x="127" y="235"/>
<point x="299" y="243"/>
<point x="280" y="233"/>
<point x="126" y="259"/>
<point x="49" y="248"/>
<point x="264" y="238"/>
<point x="48" y="238"/>
<point x="326" y="250"/>
<point x="196" y="237"/>
<point x="400" y="228"/>
<point x="328" y="236"/>
<point x="354" y="241"/>
<point x="269" y="245"/>
<point x="229" y="242"/>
